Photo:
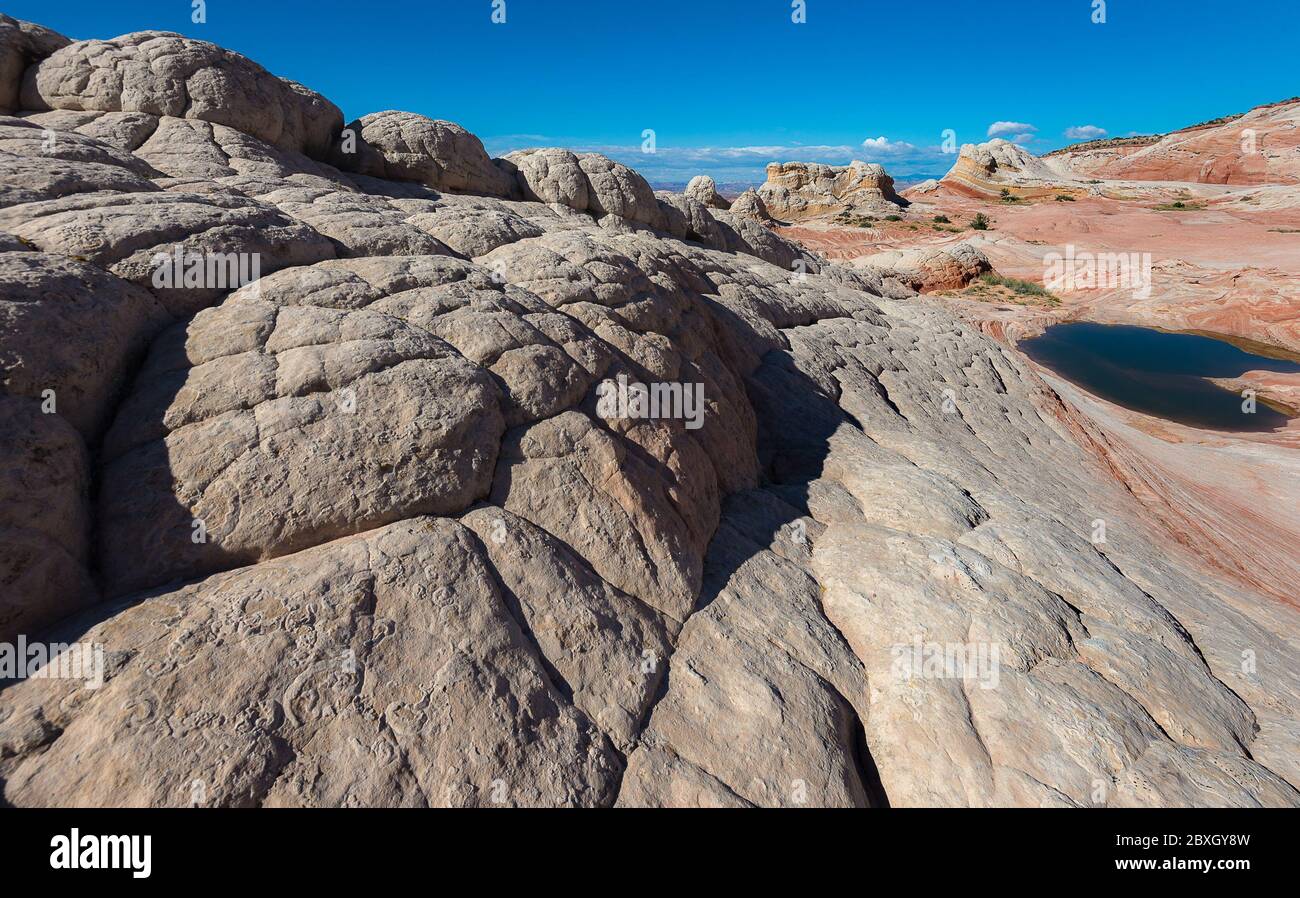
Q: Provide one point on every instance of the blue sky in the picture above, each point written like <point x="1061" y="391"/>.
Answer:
<point x="729" y="85"/>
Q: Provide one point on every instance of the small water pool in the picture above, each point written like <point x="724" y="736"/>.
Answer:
<point x="1161" y="373"/>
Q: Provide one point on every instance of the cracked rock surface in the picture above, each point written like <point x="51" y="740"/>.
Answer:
<point x="360" y="532"/>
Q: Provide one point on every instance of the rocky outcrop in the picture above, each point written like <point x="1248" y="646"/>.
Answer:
<point x="687" y="218"/>
<point x="704" y="190"/>
<point x="22" y="44"/>
<point x="750" y="205"/>
<point x="41" y="166"/>
<point x="615" y="189"/>
<point x="926" y="269"/>
<point x="402" y="146"/>
<point x="552" y="175"/>
<point x="588" y="182"/>
<point x="126" y="232"/>
<point x="999" y="168"/>
<point x="372" y="533"/>
<point x="71" y="336"/>
<point x="601" y="187"/>
<point x="800" y="190"/>
<point x="74" y="330"/>
<point x="1076" y="716"/>
<point x="251" y="405"/>
<point x="161" y="73"/>
<point x="1260" y="147"/>
<point x="410" y="684"/>
<point x="44" y="518"/>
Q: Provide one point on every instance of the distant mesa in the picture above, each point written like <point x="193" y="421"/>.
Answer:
<point x="796" y="191"/>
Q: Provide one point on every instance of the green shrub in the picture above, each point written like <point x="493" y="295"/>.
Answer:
<point x="856" y="221"/>
<point x="1017" y="285"/>
<point x="980" y="222"/>
<point x="1179" y="206"/>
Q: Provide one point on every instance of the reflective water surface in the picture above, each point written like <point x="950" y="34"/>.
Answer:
<point x="1160" y="373"/>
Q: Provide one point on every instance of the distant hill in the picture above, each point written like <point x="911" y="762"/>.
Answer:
<point x="1261" y="146"/>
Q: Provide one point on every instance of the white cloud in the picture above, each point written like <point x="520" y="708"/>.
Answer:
<point x="883" y="146"/>
<point x="1084" y="132"/>
<point x="769" y="153"/>
<point x="1022" y="130"/>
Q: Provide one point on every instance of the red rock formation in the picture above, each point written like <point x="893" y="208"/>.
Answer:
<point x="1260" y="147"/>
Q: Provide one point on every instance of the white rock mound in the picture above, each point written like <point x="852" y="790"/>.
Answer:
<point x="22" y="44"/>
<point x="800" y="190"/>
<point x="705" y="190"/>
<point x="988" y="169"/>
<point x="750" y="205"/>
<point x="402" y="146"/>
<point x="161" y="73"/>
